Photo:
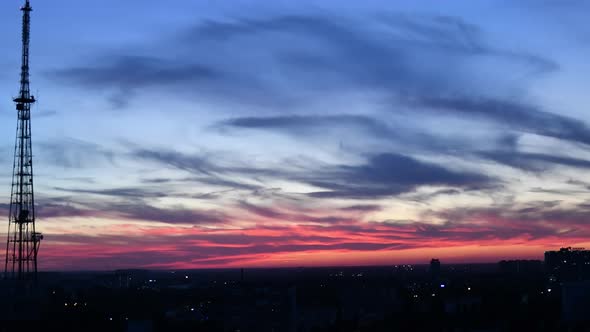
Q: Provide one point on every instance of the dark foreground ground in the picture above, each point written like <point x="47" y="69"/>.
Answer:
<point x="494" y="297"/>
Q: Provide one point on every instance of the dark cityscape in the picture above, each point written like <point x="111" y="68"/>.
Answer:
<point x="305" y="166"/>
<point x="517" y="295"/>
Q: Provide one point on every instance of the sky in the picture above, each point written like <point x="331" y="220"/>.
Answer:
<point x="251" y="133"/>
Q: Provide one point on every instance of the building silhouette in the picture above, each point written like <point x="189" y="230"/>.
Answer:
<point x="434" y="269"/>
<point x="568" y="264"/>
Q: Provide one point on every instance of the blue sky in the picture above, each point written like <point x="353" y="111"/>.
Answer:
<point x="321" y="132"/>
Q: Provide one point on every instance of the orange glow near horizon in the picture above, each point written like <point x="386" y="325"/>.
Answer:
<point x="191" y="248"/>
<point x="101" y="242"/>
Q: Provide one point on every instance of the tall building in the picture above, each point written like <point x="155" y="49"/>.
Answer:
<point x="22" y="245"/>
<point x="435" y="268"/>
<point x="568" y="264"/>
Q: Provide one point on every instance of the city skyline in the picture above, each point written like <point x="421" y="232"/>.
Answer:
<point x="248" y="134"/>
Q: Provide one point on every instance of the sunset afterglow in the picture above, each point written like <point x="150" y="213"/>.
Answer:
<point x="302" y="134"/>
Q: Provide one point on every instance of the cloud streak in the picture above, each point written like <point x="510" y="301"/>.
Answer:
<point x="390" y="174"/>
<point x="536" y="223"/>
<point x="518" y="116"/>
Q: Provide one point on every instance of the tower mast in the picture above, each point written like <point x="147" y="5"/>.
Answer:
<point x="23" y="241"/>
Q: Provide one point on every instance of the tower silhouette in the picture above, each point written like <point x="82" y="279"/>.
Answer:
<point x="23" y="241"/>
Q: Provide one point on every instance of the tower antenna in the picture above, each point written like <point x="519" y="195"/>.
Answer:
<point x="23" y="240"/>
